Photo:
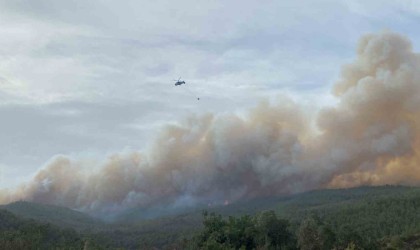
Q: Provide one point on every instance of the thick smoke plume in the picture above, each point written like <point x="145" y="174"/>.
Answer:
<point x="370" y="137"/>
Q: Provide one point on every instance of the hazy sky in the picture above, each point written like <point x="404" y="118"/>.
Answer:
<point x="89" y="78"/>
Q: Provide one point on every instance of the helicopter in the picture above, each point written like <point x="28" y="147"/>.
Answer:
<point x="179" y="82"/>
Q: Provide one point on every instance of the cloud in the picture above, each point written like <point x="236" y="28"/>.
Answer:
<point x="53" y="52"/>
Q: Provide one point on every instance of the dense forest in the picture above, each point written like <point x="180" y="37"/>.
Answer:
<point x="386" y="217"/>
<point x="16" y="233"/>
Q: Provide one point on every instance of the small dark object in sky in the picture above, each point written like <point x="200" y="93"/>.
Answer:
<point x="179" y="82"/>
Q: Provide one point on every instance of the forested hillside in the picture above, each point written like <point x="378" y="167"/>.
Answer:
<point x="386" y="217"/>
<point x="17" y="233"/>
<point x="60" y="216"/>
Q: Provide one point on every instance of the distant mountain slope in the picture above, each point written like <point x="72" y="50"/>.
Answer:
<point x="327" y="198"/>
<point x="18" y="233"/>
<point x="378" y="212"/>
<point x="287" y="206"/>
<point x="382" y="212"/>
<point x="60" y="216"/>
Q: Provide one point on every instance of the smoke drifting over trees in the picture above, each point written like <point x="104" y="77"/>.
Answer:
<point x="370" y="137"/>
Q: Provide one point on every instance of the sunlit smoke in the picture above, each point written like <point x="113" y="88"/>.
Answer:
<point x="369" y="138"/>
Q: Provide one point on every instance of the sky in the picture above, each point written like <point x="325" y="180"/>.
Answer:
<point x="89" y="78"/>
